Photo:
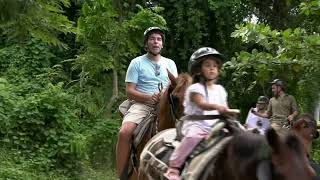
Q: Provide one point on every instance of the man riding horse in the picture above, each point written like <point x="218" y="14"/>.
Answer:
<point x="145" y="75"/>
<point x="282" y="108"/>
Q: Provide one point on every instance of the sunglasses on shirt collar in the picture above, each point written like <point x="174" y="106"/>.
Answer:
<point x="157" y="69"/>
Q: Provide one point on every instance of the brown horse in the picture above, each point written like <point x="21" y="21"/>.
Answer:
<point x="278" y="155"/>
<point x="305" y="128"/>
<point x="245" y="156"/>
<point x="169" y="109"/>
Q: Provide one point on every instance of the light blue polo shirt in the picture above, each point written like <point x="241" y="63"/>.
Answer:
<point x="147" y="74"/>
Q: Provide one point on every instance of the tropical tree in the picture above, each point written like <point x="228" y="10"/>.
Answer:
<point x="291" y="54"/>
<point x="41" y="19"/>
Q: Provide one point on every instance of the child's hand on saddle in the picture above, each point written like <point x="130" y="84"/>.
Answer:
<point x="290" y="118"/>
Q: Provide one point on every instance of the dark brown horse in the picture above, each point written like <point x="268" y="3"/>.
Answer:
<point x="276" y="156"/>
<point x="305" y="128"/>
<point x="170" y="109"/>
<point x="246" y="156"/>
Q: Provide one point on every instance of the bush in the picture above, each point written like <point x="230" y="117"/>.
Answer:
<point x="102" y="144"/>
<point x="42" y="125"/>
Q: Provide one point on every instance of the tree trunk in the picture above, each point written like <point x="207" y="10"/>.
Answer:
<point x="115" y="90"/>
<point x="317" y="111"/>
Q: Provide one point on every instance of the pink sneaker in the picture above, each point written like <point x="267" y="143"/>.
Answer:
<point x="172" y="174"/>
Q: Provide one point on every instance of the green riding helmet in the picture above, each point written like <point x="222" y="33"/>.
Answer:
<point x="196" y="58"/>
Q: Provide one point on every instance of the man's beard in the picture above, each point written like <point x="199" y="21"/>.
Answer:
<point x="152" y="53"/>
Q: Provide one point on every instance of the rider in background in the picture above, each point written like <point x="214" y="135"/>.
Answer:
<point x="262" y="104"/>
<point x="143" y="77"/>
<point x="204" y="97"/>
<point x="255" y="122"/>
<point x="282" y="108"/>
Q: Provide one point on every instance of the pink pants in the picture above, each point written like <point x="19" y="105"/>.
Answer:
<point x="191" y="139"/>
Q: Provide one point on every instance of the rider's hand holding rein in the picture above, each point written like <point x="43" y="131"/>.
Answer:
<point x="290" y="117"/>
<point x="155" y="98"/>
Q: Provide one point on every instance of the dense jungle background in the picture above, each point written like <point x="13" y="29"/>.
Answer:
<point x="63" y="62"/>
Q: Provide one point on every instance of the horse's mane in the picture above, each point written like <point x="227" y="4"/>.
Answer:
<point x="183" y="81"/>
<point x="246" y="151"/>
<point x="177" y="91"/>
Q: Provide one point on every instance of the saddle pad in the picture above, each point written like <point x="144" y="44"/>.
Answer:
<point x="157" y="152"/>
<point x="198" y="164"/>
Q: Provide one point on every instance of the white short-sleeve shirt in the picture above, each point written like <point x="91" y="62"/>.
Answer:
<point x="216" y="95"/>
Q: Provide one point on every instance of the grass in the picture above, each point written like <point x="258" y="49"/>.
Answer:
<point x="16" y="168"/>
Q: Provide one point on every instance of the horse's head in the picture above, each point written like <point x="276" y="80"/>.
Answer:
<point x="171" y="101"/>
<point x="278" y="155"/>
<point x="289" y="160"/>
<point x="305" y="128"/>
<point x="183" y="81"/>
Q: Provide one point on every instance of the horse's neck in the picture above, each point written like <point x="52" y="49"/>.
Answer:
<point x="307" y="144"/>
<point x="165" y="118"/>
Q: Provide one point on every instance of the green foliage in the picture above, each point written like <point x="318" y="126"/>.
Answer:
<point x="315" y="154"/>
<point x="311" y="11"/>
<point x="192" y="24"/>
<point x="102" y="143"/>
<point x="41" y="19"/>
<point x="278" y="54"/>
<point x="27" y="60"/>
<point x="38" y="118"/>
<point x="15" y="167"/>
<point x="41" y="125"/>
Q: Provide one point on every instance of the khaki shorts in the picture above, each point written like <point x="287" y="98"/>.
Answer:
<point x="137" y="112"/>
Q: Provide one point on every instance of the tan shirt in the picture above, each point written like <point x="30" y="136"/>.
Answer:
<point x="280" y="108"/>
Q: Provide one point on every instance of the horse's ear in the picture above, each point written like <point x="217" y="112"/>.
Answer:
<point x="172" y="78"/>
<point x="273" y="139"/>
<point x="264" y="171"/>
<point x="298" y="124"/>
